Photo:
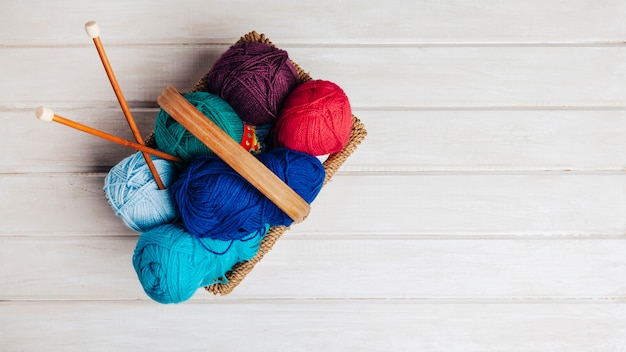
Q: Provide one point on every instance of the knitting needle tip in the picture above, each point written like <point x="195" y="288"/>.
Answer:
<point x="92" y="28"/>
<point x="44" y="114"/>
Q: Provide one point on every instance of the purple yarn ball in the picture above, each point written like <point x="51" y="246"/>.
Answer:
<point x="255" y="79"/>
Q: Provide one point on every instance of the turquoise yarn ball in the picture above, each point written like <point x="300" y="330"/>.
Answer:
<point x="134" y="196"/>
<point x="172" y="265"/>
<point x="172" y="138"/>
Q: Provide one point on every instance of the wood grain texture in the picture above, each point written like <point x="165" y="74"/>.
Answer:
<point x="324" y="22"/>
<point x="317" y="325"/>
<point x="421" y="141"/>
<point x="483" y="212"/>
<point x="335" y="267"/>
<point x="431" y="204"/>
<point x="55" y="148"/>
<point x="393" y="78"/>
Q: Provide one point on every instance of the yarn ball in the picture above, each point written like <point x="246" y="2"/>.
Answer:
<point x="215" y="201"/>
<point x="171" y="264"/>
<point x="172" y="138"/>
<point x="132" y="192"/>
<point x="315" y="119"/>
<point x="254" y="78"/>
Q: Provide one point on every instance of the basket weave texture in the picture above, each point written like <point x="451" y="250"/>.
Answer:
<point x="236" y="275"/>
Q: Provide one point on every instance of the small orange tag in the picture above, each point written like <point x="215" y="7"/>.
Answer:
<point x="249" y="141"/>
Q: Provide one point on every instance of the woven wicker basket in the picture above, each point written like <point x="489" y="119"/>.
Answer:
<point x="331" y="165"/>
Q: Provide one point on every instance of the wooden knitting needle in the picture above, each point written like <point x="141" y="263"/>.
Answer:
<point x="233" y="154"/>
<point x="93" y="31"/>
<point x="46" y="114"/>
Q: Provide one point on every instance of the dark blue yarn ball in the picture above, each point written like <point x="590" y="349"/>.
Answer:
<point x="215" y="201"/>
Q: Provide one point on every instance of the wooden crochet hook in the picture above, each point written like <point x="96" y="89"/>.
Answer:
<point x="46" y="114"/>
<point x="93" y="31"/>
<point x="233" y="154"/>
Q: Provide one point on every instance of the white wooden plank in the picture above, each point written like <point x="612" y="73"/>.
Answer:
<point x="322" y="22"/>
<point x="447" y="204"/>
<point x="31" y="145"/>
<point x="442" y="234"/>
<point x="422" y="204"/>
<point x="398" y="141"/>
<point x="100" y="268"/>
<point x="468" y="140"/>
<point x="312" y="326"/>
<point x="56" y="204"/>
<point x="394" y="77"/>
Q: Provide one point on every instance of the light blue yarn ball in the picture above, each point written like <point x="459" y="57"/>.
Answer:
<point x="134" y="195"/>
<point x="172" y="265"/>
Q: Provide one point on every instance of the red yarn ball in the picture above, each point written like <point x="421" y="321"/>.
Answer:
<point x="255" y="79"/>
<point x="316" y="119"/>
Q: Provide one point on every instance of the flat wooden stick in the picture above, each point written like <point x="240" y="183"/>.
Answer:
<point x="93" y="31"/>
<point x="46" y="114"/>
<point x="233" y="154"/>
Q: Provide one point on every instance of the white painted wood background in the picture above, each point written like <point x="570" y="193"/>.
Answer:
<point x="485" y="211"/>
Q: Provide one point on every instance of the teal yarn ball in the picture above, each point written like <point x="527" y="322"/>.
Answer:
<point x="134" y="196"/>
<point x="172" y="138"/>
<point x="172" y="265"/>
